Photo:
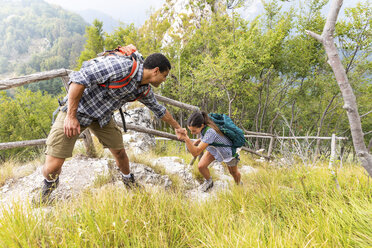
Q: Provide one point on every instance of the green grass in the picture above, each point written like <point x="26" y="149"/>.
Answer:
<point x="13" y="169"/>
<point x="291" y="207"/>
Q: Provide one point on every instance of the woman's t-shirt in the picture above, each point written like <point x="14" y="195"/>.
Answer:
<point x="219" y="153"/>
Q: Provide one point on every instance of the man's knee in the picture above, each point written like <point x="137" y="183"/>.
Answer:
<point x="52" y="166"/>
<point x="119" y="154"/>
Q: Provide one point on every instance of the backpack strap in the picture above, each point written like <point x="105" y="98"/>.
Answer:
<point x="142" y="94"/>
<point x="123" y="119"/>
<point x="124" y="81"/>
<point x="233" y="149"/>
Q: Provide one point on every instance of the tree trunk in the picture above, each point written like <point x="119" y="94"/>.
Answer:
<point x="321" y="126"/>
<point x="347" y="92"/>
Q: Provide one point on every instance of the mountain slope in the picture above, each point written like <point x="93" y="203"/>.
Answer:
<point x="36" y="36"/>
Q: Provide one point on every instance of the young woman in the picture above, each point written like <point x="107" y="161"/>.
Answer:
<point x="200" y="123"/>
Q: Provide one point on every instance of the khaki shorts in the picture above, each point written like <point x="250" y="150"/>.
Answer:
<point x="60" y="146"/>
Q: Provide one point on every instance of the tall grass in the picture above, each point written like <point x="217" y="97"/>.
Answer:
<point x="15" y="169"/>
<point x="296" y="207"/>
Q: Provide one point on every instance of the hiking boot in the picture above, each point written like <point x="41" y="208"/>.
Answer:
<point x="43" y="196"/>
<point x="207" y="185"/>
<point x="130" y="182"/>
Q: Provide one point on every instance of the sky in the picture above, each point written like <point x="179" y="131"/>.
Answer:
<point x="129" y="11"/>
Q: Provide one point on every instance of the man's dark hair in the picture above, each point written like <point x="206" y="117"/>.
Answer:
<point x="157" y="60"/>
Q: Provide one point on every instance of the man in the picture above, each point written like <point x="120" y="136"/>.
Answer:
<point x="90" y="104"/>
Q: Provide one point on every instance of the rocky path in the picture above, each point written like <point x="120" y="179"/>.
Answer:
<point x="82" y="173"/>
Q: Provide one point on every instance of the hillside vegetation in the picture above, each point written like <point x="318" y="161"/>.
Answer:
<point x="36" y="36"/>
<point x="267" y="74"/>
<point x="276" y="207"/>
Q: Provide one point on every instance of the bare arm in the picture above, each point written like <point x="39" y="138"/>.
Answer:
<point x="72" y="125"/>
<point x="168" y="118"/>
<point x="195" y="148"/>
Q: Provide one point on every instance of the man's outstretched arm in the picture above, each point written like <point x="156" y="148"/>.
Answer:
<point x="168" y="118"/>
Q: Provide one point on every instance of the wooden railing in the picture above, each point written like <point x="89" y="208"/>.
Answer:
<point x="63" y="74"/>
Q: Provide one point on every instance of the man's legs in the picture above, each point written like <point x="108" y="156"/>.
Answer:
<point x="52" y="167"/>
<point x="51" y="170"/>
<point x="111" y="137"/>
<point x="122" y="160"/>
<point x="59" y="147"/>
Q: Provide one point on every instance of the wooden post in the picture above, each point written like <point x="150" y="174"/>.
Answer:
<point x="89" y="145"/>
<point x="333" y="151"/>
<point x="331" y="161"/>
<point x="272" y="139"/>
<point x="65" y="81"/>
<point x="88" y="140"/>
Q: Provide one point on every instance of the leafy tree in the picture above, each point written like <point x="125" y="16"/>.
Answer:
<point x="28" y="116"/>
<point x="94" y="43"/>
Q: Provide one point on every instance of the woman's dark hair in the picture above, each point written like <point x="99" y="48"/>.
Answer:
<point x="157" y="60"/>
<point x="197" y="118"/>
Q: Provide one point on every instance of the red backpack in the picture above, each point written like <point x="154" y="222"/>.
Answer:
<point x="132" y="53"/>
<point x="129" y="52"/>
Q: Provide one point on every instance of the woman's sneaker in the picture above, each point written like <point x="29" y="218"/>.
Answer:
<point x="207" y="185"/>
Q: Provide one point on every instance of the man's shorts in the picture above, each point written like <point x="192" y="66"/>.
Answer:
<point x="61" y="146"/>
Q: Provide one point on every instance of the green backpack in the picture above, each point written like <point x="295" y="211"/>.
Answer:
<point x="229" y="129"/>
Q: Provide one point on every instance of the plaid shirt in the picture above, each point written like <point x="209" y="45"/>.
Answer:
<point x="97" y="102"/>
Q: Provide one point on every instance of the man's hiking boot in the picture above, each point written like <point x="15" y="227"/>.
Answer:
<point x="207" y="185"/>
<point x="43" y="196"/>
<point x="130" y="182"/>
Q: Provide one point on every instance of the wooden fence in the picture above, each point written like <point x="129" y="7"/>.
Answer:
<point x="63" y="74"/>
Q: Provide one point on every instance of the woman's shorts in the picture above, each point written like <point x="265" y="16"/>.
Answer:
<point x="233" y="162"/>
<point x="61" y="146"/>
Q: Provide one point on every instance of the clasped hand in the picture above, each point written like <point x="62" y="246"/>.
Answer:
<point x="181" y="133"/>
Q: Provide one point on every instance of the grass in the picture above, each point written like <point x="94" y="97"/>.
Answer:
<point x="15" y="169"/>
<point x="294" y="206"/>
<point x="276" y="207"/>
<point x="149" y="157"/>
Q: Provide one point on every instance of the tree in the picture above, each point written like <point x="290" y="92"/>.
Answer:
<point x="326" y="38"/>
<point x="25" y="117"/>
<point x="94" y="44"/>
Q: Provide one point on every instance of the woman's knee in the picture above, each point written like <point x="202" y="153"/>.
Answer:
<point x="202" y="166"/>
<point x="234" y="171"/>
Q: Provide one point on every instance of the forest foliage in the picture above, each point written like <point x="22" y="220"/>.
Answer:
<point x="267" y="74"/>
<point x="36" y="36"/>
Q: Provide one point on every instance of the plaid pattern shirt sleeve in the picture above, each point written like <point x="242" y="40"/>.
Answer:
<point x="97" y="102"/>
<point x="150" y="101"/>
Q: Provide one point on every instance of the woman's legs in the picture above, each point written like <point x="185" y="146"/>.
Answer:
<point x="203" y="164"/>
<point x="235" y="173"/>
